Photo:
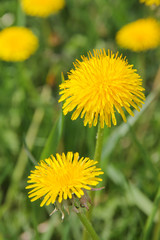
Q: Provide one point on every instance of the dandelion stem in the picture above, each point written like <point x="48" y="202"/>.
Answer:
<point x="88" y="226"/>
<point x="21" y="19"/>
<point x="149" y="222"/>
<point x="97" y="157"/>
<point x="99" y="143"/>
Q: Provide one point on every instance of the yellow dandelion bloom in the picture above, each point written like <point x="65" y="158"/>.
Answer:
<point x="59" y="178"/>
<point x="140" y="35"/>
<point x="98" y="86"/>
<point x="151" y="2"/>
<point x="17" y="44"/>
<point x="42" y="8"/>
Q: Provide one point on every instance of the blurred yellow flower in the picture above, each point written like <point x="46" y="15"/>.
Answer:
<point x="42" y="8"/>
<point x="140" y="35"/>
<point x="98" y="86"/>
<point x="57" y="179"/>
<point x="150" y="2"/>
<point x="17" y="44"/>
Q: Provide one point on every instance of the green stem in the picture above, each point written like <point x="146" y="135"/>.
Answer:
<point x="23" y="77"/>
<point x="99" y="143"/>
<point x="88" y="226"/>
<point x="97" y="157"/>
<point x="149" y="223"/>
<point x="21" y="18"/>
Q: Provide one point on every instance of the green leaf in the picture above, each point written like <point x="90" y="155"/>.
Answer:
<point x="134" y="195"/>
<point x="28" y="152"/>
<point x="123" y="129"/>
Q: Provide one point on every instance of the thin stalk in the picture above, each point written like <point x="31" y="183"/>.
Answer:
<point x="99" y="143"/>
<point x="97" y="157"/>
<point x="21" y="18"/>
<point x="150" y="220"/>
<point x="24" y="78"/>
<point x="88" y="226"/>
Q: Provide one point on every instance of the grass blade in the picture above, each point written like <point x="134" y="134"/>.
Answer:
<point x="53" y="139"/>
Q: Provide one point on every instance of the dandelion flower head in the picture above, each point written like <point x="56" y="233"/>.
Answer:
<point x="42" y="8"/>
<point x="140" y="35"/>
<point x="17" y="44"/>
<point x="58" y="178"/>
<point x="151" y="2"/>
<point x="98" y="86"/>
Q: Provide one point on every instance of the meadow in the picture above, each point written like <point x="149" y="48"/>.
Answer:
<point x="33" y="126"/>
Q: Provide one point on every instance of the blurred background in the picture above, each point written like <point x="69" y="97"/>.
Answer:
<point x="30" y="117"/>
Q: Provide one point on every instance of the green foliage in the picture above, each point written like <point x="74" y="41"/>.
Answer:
<point x="30" y="110"/>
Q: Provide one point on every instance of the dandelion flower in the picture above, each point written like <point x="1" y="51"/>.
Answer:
<point x="58" y="179"/>
<point x="98" y="86"/>
<point x="151" y="2"/>
<point x="42" y="8"/>
<point x="140" y="35"/>
<point x="17" y="44"/>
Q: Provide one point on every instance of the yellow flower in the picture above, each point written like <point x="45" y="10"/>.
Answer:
<point x="140" y="35"/>
<point x="98" y="86"/>
<point x="17" y="44"/>
<point x="150" y="2"/>
<point x="42" y="8"/>
<point x="62" y="177"/>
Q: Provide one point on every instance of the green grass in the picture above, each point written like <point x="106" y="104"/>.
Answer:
<point x="128" y="207"/>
